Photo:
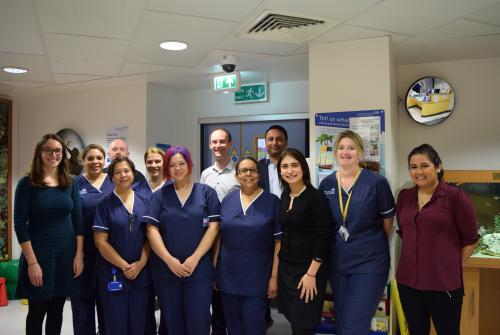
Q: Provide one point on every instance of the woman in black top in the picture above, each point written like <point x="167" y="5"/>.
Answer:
<point x="307" y="237"/>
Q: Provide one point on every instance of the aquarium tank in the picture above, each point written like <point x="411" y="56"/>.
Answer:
<point x="486" y="198"/>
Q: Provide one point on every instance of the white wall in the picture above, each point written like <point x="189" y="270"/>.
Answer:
<point x="173" y="116"/>
<point x="351" y="76"/>
<point x="470" y="138"/>
<point x="88" y="111"/>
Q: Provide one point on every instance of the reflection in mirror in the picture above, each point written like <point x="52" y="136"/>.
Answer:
<point x="430" y="100"/>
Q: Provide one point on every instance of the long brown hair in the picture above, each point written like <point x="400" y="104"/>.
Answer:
<point x="36" y="174"/>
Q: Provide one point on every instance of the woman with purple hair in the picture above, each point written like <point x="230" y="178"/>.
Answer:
<point x="183" y="222"/>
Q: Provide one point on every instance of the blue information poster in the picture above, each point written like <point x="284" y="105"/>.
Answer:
<point x="369" y="124"/>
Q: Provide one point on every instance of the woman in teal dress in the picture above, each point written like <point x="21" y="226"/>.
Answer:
<point x="49" y="227"/>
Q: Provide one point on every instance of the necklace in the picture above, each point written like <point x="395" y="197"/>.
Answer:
<point x="423" y="199"/>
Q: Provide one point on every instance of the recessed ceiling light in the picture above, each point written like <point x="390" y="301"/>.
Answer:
<point x="173" y="45"/>
<point x="14" y="69"/>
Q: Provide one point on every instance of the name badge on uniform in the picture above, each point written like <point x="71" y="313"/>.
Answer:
<point x="114" y="285"/>
<point x="344" y="233"/>
<point x="205" y="222"/>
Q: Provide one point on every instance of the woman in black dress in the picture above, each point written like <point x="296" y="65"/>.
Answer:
<point x="307" y="236"/>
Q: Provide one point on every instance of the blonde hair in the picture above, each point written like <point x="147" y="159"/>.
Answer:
<point x="154" y="150"/>
<point x="358" y="142"/>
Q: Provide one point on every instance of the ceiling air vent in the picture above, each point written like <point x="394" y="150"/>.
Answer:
<point x="284" y="27"/>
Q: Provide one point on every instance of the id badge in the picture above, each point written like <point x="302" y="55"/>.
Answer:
<point x="114" y="286"/>
<point x="344" y="233"/>
<point x="205" y="222"/>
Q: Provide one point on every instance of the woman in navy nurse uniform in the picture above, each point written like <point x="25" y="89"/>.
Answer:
<point x="247" y="266"/>
<point x="153" y="159"/>
<point x="183" y="222"/>
<point x="363" y="207"/>
<point x="93" y="185"/>
<point x="123" y="277"/>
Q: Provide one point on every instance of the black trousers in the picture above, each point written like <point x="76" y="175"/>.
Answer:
<point x="37" y="310"/>
<point x="444" y="307"/>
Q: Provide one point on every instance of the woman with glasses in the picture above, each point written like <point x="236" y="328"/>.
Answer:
<point x="305" y="245"/>
<point x="93" y="185"/>
<point x="183" y="222"/>
<point x="49" y="227"/>
<point x="123" y="278"/>
<point x="247" y="266"/>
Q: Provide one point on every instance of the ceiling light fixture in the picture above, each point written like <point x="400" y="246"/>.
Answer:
<point x="14" y="69"/>
<point x="173" y="45"/>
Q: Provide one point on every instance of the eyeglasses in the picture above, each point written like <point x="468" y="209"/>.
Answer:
<point x="245" y="171"/>
<point x="50" y="151"/>
<point x="131" y="222"/>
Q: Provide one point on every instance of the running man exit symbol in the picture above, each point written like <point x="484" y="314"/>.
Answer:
<point x="251" y="93"/>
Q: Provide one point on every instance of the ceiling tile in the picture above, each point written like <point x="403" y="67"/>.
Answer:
<point x="411" y="18"/>
<point x="339" y="9"/>
<point x="347" y="32"/>
<point x="201" y="34"/>
<point x="65" y="78"/>
<point x="39" y="71"/>
<point x="85" y="55"/>
<point x="109" y="18"/>
<point x="456" y="29"/>
<point x="22" y="84"/>
<point x="242" y="44"/>
<point x="218" y="9"/>
<point x="447" y="50"/>
<point x="490" y="14"/>
<point x="18" y="28"/>
<point x="138" y="68"/>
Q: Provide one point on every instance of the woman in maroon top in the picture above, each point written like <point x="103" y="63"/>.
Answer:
<point x="437" y="224"/>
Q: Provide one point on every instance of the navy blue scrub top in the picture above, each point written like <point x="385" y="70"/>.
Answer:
<point x="182" y="227"/>
<point x="247" y="243"/>
<point x="144" y="189"/>
<point x="127" y="239"/>
<point x="90" y="197"/>
<point x="367" y="249"/>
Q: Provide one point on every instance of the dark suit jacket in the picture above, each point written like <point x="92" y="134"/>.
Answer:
<point x="264" y="174"/>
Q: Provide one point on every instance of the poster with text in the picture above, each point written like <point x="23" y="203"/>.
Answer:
<point x="369" y="124"/>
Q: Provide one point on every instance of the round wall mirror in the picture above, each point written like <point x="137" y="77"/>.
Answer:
<point x="430" y="100"/>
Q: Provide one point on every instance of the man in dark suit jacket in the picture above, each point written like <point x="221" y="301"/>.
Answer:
<point x="276" y="142"/>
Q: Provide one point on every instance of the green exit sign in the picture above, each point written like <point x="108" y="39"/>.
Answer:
<point x="251" y="93"/>
<point x="226" y="82"/>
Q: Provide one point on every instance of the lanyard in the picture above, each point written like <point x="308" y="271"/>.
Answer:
<point x="343" y="210"/>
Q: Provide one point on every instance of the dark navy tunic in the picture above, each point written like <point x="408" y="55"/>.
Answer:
<point x="126" y="238"/>
<point x="247" y="244"/>
<point x="89" y="197"/>
<point x="144" y="189"/>
<point x="367" y="249"/>
<point x="182" y="227"/>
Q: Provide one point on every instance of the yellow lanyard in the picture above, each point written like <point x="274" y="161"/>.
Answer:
<point x="343" y="210"/>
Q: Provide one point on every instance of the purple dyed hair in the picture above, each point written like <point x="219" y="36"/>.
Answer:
<point x="178" y="149"/>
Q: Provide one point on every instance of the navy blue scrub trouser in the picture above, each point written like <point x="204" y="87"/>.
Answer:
<point x="84" y="305"/>
<point x="356" y="297"/>
<point x="124" y="311"/>
<point x="185" y="306"/>
<point x="245" y="315"/>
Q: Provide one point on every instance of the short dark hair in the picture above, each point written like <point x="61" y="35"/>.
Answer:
<point x="112" y="166"/>
<point x="250" y="158"/>
<point x="299" y="156"/>
<point x="93" y="146"/>
<point x="228" y="134"/>
<point x="431" y="154"/>
<point x="36" y="174"/>
<point x="278" y="127"/>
